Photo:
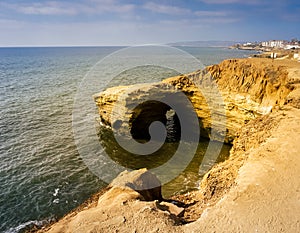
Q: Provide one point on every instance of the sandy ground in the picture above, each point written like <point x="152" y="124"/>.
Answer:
<point x="266" y="196"/>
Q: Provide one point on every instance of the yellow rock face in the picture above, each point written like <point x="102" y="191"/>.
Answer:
<point x="249" y="88"/>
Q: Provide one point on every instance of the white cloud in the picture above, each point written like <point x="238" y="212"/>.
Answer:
<point x="210" y="13"/>
<point x="247" y="2"/>
<point x="47" y="8"/>
<point x="222" y="1"/>
<point x="19" y="33"/>
<point x="165" y="9"/>
<point x="173" y="10"/>
<point x="205" y="22"/>
<point x="99" y="6"/>
<point x="68" y="8"/>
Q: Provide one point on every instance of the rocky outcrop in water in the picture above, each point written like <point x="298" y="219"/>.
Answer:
<point x="247" y="90"/>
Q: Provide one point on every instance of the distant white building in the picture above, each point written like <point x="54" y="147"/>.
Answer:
<point x="291" y="46"/>
<point x="273" y="43"/>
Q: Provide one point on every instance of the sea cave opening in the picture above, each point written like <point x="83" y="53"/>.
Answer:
<point x="150" y="111"/>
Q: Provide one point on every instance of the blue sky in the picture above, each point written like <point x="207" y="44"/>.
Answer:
<point x="131" y="22"/>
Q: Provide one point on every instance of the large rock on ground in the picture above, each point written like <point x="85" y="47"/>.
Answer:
<point x="138" y="184"/>
<point x="131" y="204"/>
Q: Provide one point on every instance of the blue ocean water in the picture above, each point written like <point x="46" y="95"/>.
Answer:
<point x="41" y="173"/>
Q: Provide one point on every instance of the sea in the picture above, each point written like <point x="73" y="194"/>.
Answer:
<point x="42" y="175"/>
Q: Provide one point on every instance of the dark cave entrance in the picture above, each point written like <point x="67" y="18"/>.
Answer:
<point x="150" y="111"/>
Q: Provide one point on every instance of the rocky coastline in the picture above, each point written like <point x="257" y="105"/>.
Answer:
<point x="256" y="189"/>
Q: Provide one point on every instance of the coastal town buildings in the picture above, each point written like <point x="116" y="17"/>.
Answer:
<point x="281" y="44"/>
<point x="270" y="45"/>
<point x="273" y="43"/>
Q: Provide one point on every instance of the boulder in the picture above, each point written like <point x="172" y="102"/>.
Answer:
<point x="138" y="184"/>
<point x="171" y="208"/>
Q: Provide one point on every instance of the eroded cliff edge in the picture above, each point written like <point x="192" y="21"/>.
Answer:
<point x="256" y="189"/>
<point x="248" y="89"/>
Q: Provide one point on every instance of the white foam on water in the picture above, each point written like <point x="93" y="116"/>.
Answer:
<point x="27" y="224"/>
<point x="56" y="192"/>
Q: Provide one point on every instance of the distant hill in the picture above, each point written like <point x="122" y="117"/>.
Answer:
<point x="205" y="43"/>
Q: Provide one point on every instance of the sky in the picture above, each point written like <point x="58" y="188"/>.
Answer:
<point x="136" y="22"/>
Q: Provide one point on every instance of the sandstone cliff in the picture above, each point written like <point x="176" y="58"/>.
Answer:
<point x="256" y="190"/>
<point x="246" y="89"/>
